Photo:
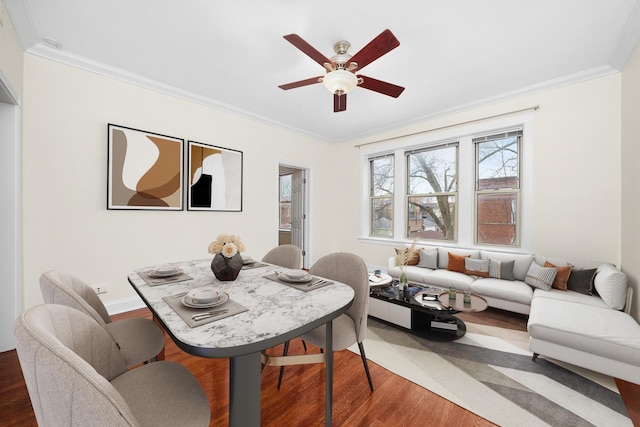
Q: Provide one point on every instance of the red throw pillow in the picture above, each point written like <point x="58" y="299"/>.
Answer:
<point x="456" y="262"/>
<point x="560" y="281"/>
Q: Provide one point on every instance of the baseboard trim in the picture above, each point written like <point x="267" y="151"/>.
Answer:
<point x="122" y="306"/>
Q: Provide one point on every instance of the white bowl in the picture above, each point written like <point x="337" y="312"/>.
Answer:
<point x="204" y="295"/>
<point x="296" y="274"/>
<point x="165" y="269"/>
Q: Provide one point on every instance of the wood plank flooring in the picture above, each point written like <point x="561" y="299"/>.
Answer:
<point x="300" y="401"/>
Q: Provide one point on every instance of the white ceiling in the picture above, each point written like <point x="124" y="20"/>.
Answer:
<point x="231" y="55"/>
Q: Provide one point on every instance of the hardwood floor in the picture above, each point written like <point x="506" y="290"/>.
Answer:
<point x="300" y="401"/>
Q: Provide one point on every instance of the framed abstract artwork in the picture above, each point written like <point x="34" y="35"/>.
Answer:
<point x="214" y="178"/>
<point x="145" y="170"/>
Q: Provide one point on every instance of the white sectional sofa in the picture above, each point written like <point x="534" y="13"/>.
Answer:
<point x="590" y="327"/>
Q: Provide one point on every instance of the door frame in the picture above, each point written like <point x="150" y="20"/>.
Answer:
<point x="10" y="212"/>
<point x="306" y="254"/>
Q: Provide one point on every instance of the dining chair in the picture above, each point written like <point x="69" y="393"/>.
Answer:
<point x="139" y="340"/>
<point x="76" y="376"/>
<point x="348" y="328"/>
<point x="287" y="256"/>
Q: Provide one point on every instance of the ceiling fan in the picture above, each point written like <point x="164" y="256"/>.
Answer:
<point x="341" y="68"/>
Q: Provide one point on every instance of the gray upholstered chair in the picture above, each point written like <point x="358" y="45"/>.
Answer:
<point x="139" y="339"/>
<point x="348" y="328"/>
<point x="287" y="256"/>
<point x="76" y="376"/>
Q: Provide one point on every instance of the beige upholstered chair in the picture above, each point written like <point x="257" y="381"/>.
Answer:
<point x="76" y="376"/>
<point x="348" y="328"/>
<point x="139" y="340"/>
<point x="287" y="256"/>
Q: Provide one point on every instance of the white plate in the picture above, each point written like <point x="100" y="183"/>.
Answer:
<point x="301" y="279"/>
<point x="165" y="273"/>
<point x="223" y="298"/>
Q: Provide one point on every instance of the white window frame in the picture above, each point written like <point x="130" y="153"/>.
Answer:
<point x="464" y="134"/>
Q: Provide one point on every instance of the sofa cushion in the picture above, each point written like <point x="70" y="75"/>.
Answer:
<point x="428" y="258"/>
<point x="560" y="281"/>
<point x="570" y="296"/>
<point x="540" y="277"/>
<point x="499" y="269"/>
<point x="456" y="263"/>
<point x="476" y="267"/>
<point x="445" y="278"/>
<point x="601" y="331"/>
<point x="514" y="291"/>
<point x="443" y="255"/>
<point x="521" y="265"/>
<point x="581" y="280"/>
<point x="558" y="262"/>
<point x="611" y="284"/>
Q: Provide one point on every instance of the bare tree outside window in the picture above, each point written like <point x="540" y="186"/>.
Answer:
<point x="381" y="197"/>
<point x="285" y="202"/>
<point x="432" y="192"/>
<point x="497" y="188"/>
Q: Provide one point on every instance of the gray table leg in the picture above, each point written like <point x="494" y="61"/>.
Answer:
<point x="328" y="394"/>
<point x="244" y="390"/>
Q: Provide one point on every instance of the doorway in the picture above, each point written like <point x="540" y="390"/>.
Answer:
<point x="292" y="209"/>
<point x="10" y="237"/>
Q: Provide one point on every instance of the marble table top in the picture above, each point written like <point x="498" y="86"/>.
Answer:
<point x="276" y="312"/>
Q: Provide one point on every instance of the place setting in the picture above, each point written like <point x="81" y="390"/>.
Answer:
<point x="299" y="279"/>
<point x="249" y="263"/>
<point x="163" y="275"/>
<point x="203" y="305"/>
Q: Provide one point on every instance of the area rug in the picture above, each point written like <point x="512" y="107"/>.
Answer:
<point x="489" y="372"/>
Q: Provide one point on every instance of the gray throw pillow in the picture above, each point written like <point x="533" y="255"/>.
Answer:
<point x="540" y="277"/>
<point x="499" y="269"/>
<point x="581" y="280"/>
<point x="428" y="258"/>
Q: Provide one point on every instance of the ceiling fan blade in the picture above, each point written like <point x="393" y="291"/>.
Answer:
<point x="306" y="82"/>
<point x="380" y="86"/>
<point x="339" y="103"/>
<point x="307" y="49"/>
<point x="383" y="43"/>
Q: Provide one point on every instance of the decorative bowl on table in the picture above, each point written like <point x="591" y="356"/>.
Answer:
<point x="294" y="275"/>
<point x="204" y="297"/>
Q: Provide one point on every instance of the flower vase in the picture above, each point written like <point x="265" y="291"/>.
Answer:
<point x="226" y="269"/>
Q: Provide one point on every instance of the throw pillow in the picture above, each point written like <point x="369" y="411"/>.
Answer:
<point x="540" y="277"/>
<point x="560" y="282"/>
<point x="428" y="258"/>
<point x="499" y="269"/>
<point x="413" y="256"/>
<point x="581" y="280"/>
<point x="476" y="267"/>
<point x="456" y="262"/>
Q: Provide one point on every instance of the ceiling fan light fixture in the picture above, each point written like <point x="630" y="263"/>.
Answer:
<point x="340" y="82"/>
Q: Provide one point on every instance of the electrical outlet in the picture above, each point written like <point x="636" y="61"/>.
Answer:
<point x="101" y="289"/>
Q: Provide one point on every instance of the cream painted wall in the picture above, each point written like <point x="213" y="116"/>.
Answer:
<point x="576" y="173"/>
<point x="10" y="52"/>
<point x="630" y="175"/>
<point x="66" y="223"/>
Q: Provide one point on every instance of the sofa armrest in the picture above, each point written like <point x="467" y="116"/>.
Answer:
<point x="392" y="263"/>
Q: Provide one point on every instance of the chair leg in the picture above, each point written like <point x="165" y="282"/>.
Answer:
<point x="284" y="353"/>
<point x="366" y="365"/>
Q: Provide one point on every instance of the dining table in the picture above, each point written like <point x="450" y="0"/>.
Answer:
<point x="262" y="311"/>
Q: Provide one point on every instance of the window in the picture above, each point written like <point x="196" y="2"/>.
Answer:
<point x="497" y="188"/>
<point x="381" y="196"/>
<point x="285" y="202"/>
<point x="466" y="185"/>
<point x="432" y="192"/>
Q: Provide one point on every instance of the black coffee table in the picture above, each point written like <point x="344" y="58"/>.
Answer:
<point x="429" y="317"/>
